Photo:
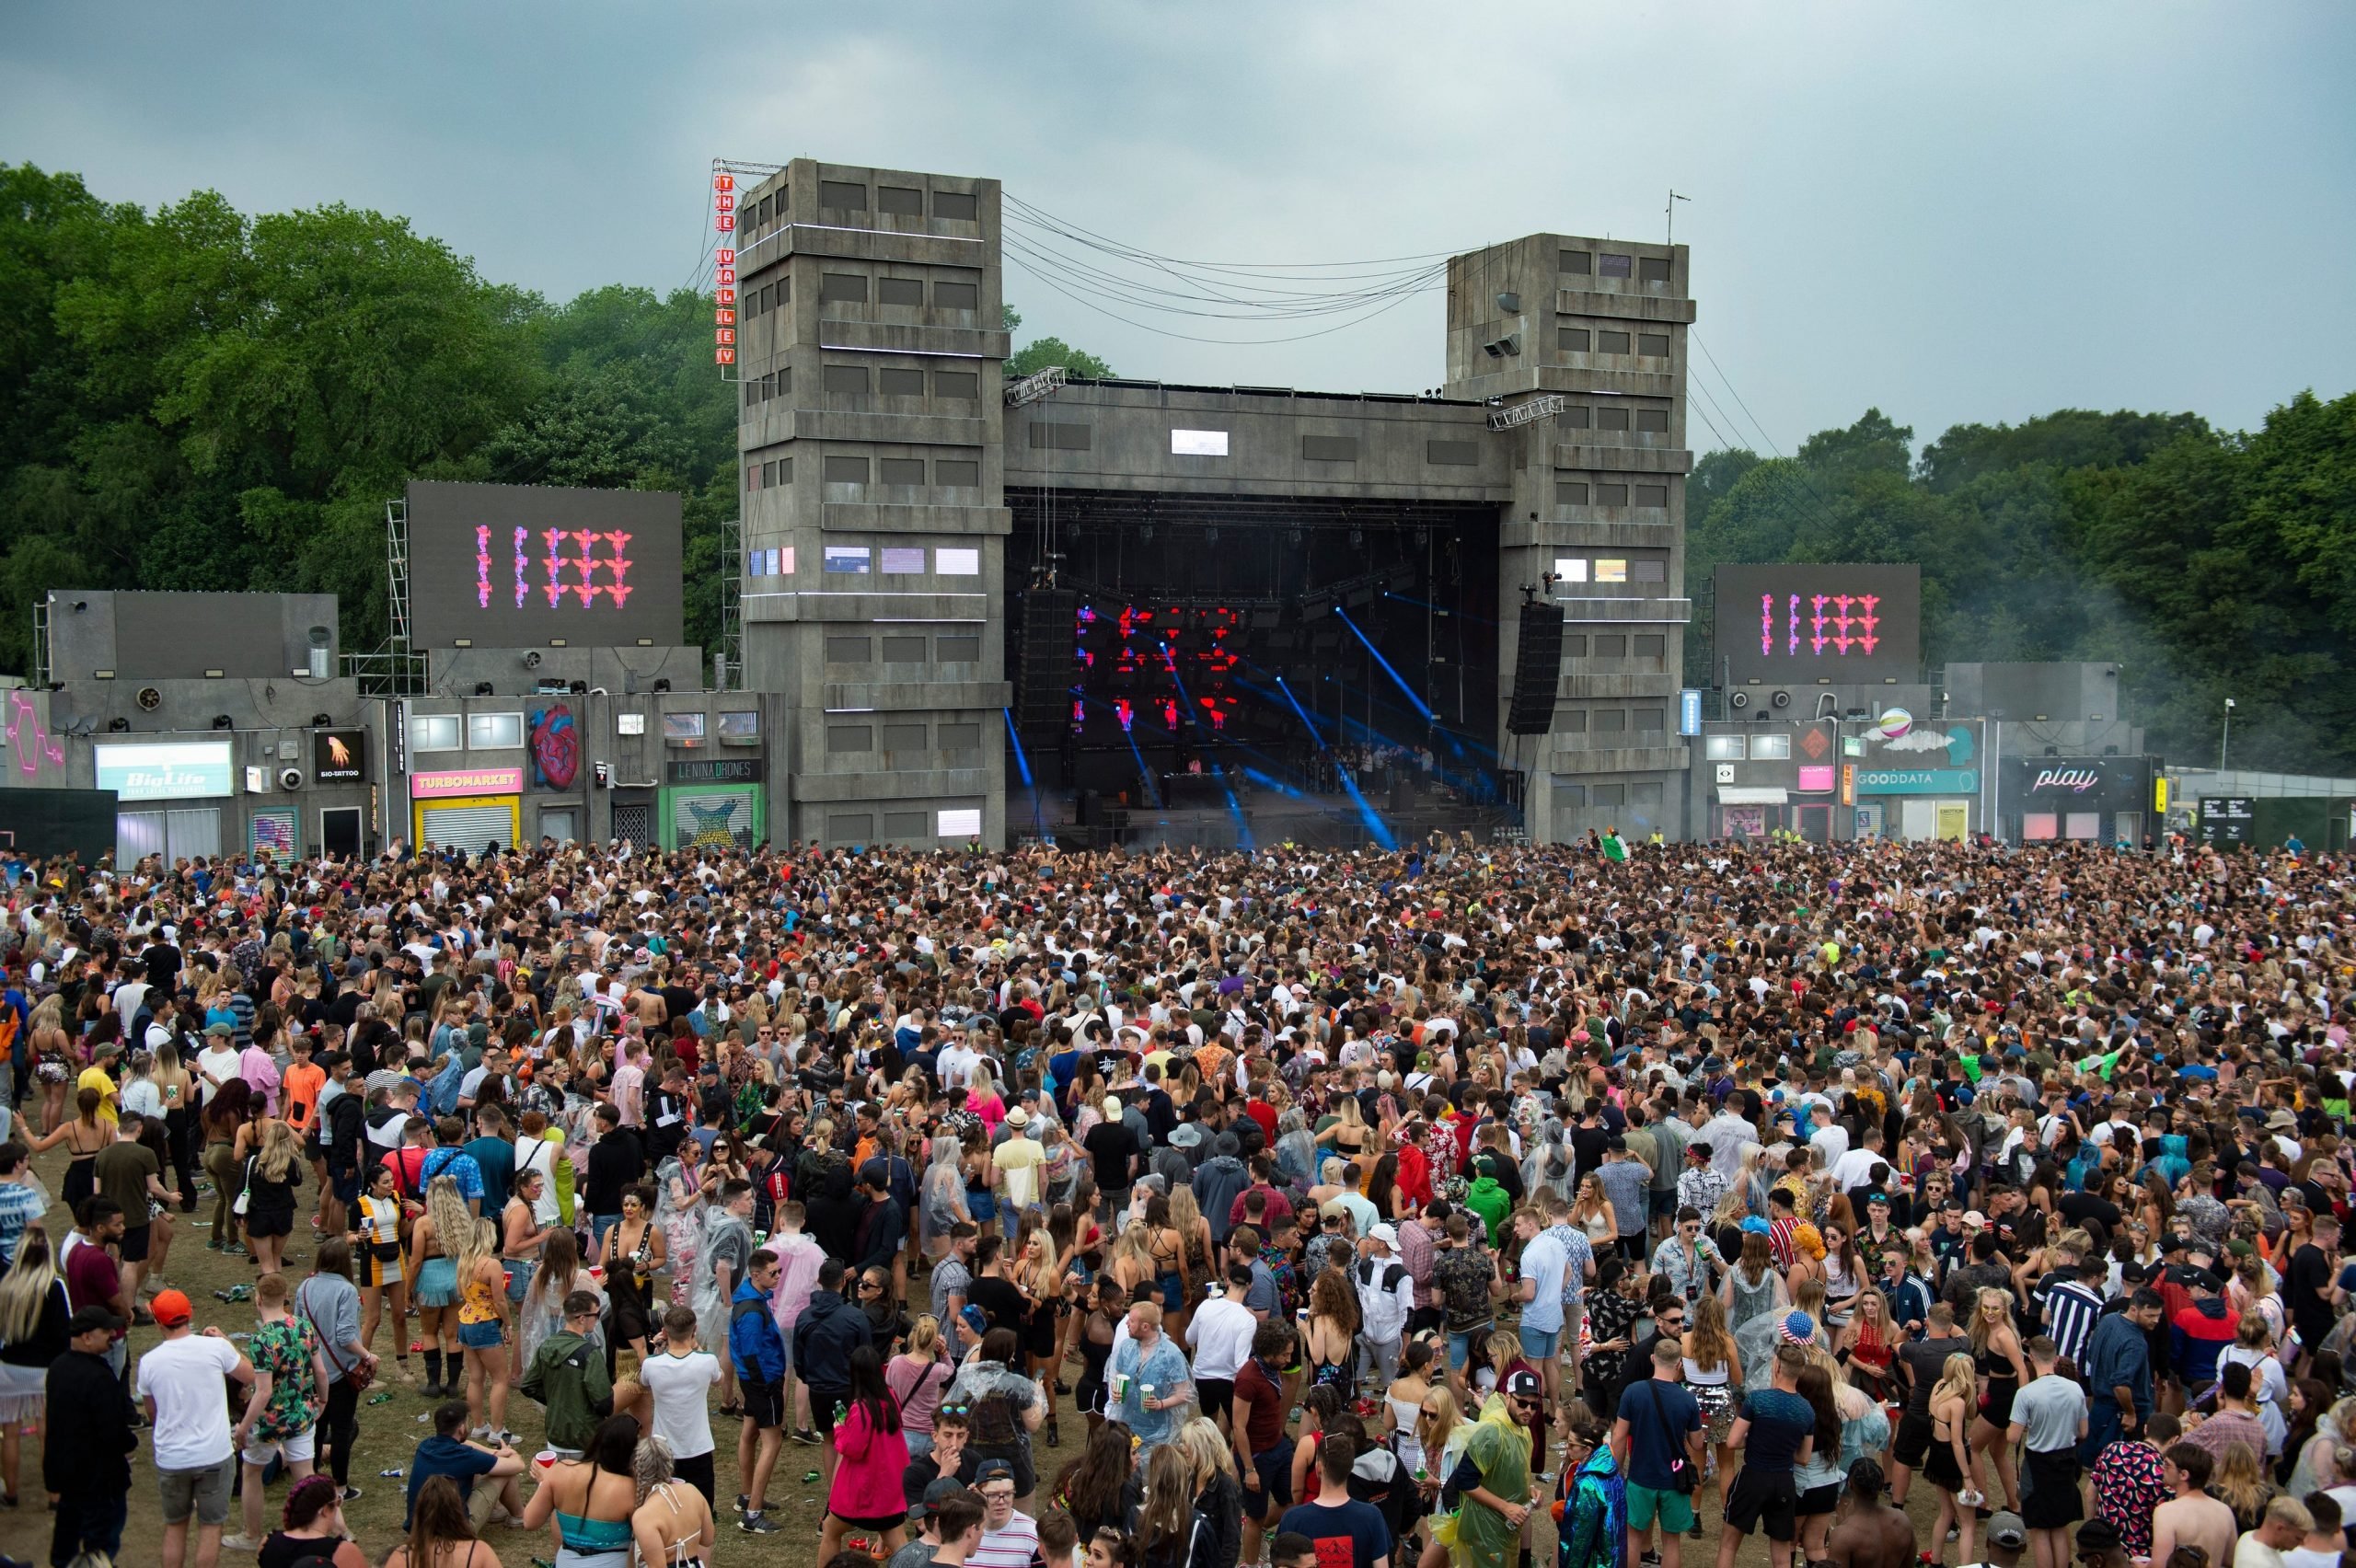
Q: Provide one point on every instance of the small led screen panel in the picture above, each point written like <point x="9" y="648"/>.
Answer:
<point x="523" y="566"/>
<point x="1795" y="624"/>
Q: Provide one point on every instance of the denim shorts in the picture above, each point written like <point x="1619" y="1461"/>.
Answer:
<point x="479" y="1336"/>
<point x="1460" y="1345"/>
<point x="1538" y="1344"/>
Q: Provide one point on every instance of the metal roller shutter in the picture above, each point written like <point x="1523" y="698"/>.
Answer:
<point x="471" y="828"/>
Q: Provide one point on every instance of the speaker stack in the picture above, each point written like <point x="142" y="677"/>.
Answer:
<point x="1043" y="657"/>
<point x="1537" y="670"/>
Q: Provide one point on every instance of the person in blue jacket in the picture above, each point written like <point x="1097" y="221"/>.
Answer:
<point x="758" y="1350"/>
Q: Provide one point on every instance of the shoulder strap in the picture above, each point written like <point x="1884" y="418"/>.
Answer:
<point x="327" y="1340"/>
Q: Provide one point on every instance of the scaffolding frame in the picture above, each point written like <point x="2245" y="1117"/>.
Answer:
<point x="394" y="668"/>
<point x="731" y="672"/>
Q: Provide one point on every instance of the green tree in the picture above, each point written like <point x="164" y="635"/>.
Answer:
<point x="1040" y="353"/>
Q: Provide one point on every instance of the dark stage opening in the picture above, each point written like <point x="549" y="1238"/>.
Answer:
<point x="1171" y="650"/>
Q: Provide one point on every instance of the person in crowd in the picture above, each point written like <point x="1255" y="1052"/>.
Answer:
<point x="2059" y="1093"/>
<point x="86" y="1456"/>
<point x="179" y="1390"/>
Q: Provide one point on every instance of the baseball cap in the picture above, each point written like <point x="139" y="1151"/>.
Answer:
<point x="1112" y="1107"/>
<point x="2005" y="1530"/>
<point x="935" y="1495"/>
<point x="172" y="1309"/>
<point x="1384" y="1234"/>
<point x="223" y="1030"/>
<point x="993" y="1469"/>
<point x="875" y="1172"/>
<point x="1524" y="1384"/>
<point x="1975" y="1219"/>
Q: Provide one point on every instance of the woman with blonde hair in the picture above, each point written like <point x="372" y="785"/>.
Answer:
<point x="2240" y="1486"/>
<point x="33" y="1313"/>
<point x="917" y="1377"/>
<point x="1038" y="1273"/>
<point x="271" y="1173"/>
<point x="1996" y="1357"/>
<point x="1950" y="1465"/>
<point x="1219" y="1492"/>
<point x="433" y="1240"/>
<point x="1196" y="1252"/>
<point x="47" y="1046"/>
<point x="482" y="1328"/>
<point x="672" y="1523"/>
<point x="1132" y="1263"/>
<point x="1169" y="1534"/>
<point x="1592" y="1212"/>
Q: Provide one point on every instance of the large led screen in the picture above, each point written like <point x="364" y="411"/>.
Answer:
<point x="523" y="566"/>
<point x="1796" y="623"/>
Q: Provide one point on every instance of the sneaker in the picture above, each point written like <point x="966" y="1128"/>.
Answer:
<point x="351" y="1494"/>
<point x="804" y="1435"/>
<point x="759" y="1524"/>
<point x="239" y="1543"/>
<point x="1652" y="1558"/>
<point x="744" y="1504"/>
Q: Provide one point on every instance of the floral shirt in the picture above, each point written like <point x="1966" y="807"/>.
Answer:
<point x="2128" y="1487"/>
<point x="284" y="1350"/>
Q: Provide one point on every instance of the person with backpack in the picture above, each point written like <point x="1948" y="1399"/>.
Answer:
<point x="568" y="1378"/>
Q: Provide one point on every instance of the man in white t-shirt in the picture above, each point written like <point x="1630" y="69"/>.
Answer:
<point x="179" y="1389"/>
<point x="680" y="1377"/>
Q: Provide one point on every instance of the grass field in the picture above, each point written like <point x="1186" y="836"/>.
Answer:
<point x="391" y="1428"/>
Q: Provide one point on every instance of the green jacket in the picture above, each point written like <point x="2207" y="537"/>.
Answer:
<point x="568" y="1376"/>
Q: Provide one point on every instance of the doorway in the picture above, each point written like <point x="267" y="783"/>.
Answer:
<point x="340" y="831"/>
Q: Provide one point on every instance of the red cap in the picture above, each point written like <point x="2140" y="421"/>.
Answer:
<point x="172" y="1309"/>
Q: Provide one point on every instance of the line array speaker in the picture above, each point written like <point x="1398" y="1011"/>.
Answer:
<point x="1043" y="656"/>
<point x="1537" y="670"/>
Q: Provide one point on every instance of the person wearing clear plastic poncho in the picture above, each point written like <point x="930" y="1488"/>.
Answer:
<point x="1489" y="1489"/>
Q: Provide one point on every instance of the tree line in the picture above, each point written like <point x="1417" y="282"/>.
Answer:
<point x="197" y="398"/>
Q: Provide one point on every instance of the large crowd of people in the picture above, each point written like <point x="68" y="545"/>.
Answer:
<point x="1347" y="1210"/>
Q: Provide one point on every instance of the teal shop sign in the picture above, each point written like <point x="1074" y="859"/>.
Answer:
<point x="1918" y="781"/>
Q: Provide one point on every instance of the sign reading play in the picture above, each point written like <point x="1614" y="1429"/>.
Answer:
<point x="166" y="770"/>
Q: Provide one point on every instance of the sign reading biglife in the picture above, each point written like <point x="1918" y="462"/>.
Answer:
<point x="166" y="770"/>
<point x="530" y="566"/>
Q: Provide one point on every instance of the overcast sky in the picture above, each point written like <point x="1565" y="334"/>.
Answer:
<point x="1956" y="212"/>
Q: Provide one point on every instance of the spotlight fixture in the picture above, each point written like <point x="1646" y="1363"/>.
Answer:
<point x="118" y="726"/>
<point x="483" y="688"/>
<point x="320" y="720"/>
<point x="221" y="721"/>
<point x="664" y="683"/>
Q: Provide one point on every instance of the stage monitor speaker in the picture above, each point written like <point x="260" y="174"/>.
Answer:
<point x="1087" y="807"/>
<point x="1043" y="657"/>
<point x="1537" y="670"/>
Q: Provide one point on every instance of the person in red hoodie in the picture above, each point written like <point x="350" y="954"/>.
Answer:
<point x="2199" y="1331"/>
<point x="873" y="1453"/>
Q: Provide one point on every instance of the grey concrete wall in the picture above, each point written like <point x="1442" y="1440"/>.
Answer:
<point x="916" y="394"/>
<point x="1585" y="774"/>
<point x="145" y="637"/>
<point x="1127" y="426"/>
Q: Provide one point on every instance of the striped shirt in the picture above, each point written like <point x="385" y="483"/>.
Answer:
<point x="2071" y="1311"/>
<point x="1012" y="1546"/>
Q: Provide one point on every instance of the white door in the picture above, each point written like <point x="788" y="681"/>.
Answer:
<point x="1921" y="819"/>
